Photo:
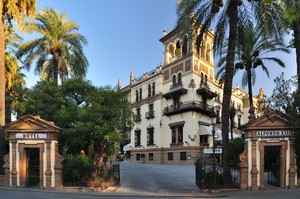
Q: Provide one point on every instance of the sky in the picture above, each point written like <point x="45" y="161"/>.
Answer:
<point x="123" y="36"/>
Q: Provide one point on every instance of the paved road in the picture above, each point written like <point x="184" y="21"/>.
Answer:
<point x="154" y="178"/>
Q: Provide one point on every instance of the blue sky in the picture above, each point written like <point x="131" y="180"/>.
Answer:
<point x="123" y="35"/>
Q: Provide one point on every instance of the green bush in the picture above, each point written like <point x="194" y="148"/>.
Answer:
<point x="236" y="147"/>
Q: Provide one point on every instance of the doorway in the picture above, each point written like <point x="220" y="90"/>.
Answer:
<point x="32" y="167"/>
<point x="272" y="165"/>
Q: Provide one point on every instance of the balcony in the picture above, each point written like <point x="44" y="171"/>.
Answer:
<point x="138" y="118"/>
<point x="176" y="90"/>
<point x="199" y="107"/>
<point x="205" y="92"/>
<point x="149" y="115"/>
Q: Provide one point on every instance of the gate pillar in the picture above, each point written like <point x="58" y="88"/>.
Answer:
<point x="26" y="134"/>
<point x="274" y="129"/>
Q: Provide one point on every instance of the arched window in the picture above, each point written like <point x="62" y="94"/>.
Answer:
<point x="205" y="79"/>
<point x="174" y="80"/>
<point x="203" y="50"/>
<point x="178" y="50"/>
<point x="149" y="90"/>
<point x="170" y="54"/>
<point x="179" y="78"/>
<point x="153" y="89"/>
<point x="207" y="52"/>
<point x="201" y="81"/>
<point x="185" y="46"/>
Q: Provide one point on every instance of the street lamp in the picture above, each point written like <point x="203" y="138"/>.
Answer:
<point x="213" y="121"/>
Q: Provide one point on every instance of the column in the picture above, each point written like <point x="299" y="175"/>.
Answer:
<point x="292" y="169"/>
<point x="48" y="172"/>
<point x="14" y="172"/>
<point x="254" y="171"/>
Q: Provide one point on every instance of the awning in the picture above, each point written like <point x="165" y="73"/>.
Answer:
<point x="205" y="130"/>
<point x="127" y="147"/>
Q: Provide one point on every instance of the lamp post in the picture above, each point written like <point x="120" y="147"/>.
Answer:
<point x="213" y="120"/>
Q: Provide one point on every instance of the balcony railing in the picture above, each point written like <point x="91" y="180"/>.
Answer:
<point x="205" y="91"/>
<point x="175" y="90"/>
<point x="149" y="115"/>
<point x="199" y="107"/>
<point x="138" y="118"/>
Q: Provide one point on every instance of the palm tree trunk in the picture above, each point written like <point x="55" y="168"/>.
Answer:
<point x="2" y="91"/>
<point x="251" y="107"/>
<point x="56" y="62"/>
<point x="296" y="27"/>
<point x="233" y="19"/>
<point x="2" y="74"/>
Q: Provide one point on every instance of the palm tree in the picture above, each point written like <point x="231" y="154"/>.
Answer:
<point x="16" y="10"/>
<point x="194" y="13"/>
<point x="292" y="15"/>
<point x="59" y="43"/>
<point x="252" y="50"/>
<point x="15" y="84"/>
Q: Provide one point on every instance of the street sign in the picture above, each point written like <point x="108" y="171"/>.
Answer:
<point x="210" y="151"/>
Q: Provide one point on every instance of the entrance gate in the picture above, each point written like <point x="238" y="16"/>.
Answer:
<point x="269" y="154"/>
<point x="272" y="165"/>
<point x="33" y="158"/>
<point x="33" y="167"/>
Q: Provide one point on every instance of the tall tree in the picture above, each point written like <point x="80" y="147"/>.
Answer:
<point x="11" y="10"/>
<point x="60" y="44"/>
<point x="15" y="84"/>
<point x="292" y="16"/>
<point x="253" y="49"/>
<point x="195" y="13"/>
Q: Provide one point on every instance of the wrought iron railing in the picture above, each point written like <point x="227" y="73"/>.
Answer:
<point x="211" y="176"/>
<point x="149" y="114"/>
<point x="189" y="106"/>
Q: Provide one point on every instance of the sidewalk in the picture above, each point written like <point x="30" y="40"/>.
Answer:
<point x="277" y="193"/>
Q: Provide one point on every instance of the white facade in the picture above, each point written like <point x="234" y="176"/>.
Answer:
<point x="174" y="101"/>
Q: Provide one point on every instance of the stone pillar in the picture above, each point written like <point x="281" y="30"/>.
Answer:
<point x="243" y="171"/>
<point x="254" y="171"/>
<point x="7" y="170"/>
<point x="48" y="172"/>
<point x="58" y="168"/>
<point x="14" y="172"/>
<point x="292" y="169"/>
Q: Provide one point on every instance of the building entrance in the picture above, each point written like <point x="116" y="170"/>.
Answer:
<point x="272" y="165"/>
<point x="33" y="167"/>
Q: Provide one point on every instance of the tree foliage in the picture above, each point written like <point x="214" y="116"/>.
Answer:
<point x="90" y="116"/>
<point x="58" y="50"/>
<point x="283" y="95"/>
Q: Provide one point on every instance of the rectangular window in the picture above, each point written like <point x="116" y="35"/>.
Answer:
<point x="182" y="155"/>
<point x="137" y="138"/>
<point x="180" y="134"/>
<point x="176" y="103"/>
<point x="204" y="139"/>
<point x="151" y="156"/>
<point x="149" y="90"/>
<point x="150" y="136"/>
<point x="136" y="95"/>
<point x="173" y="135"/>
<point x="138" y="156"/>
<point x="170" y="156"/>
<point x="153" y="89"/>
<point x="138" y="115"/>
<point x="141" y="97"/>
